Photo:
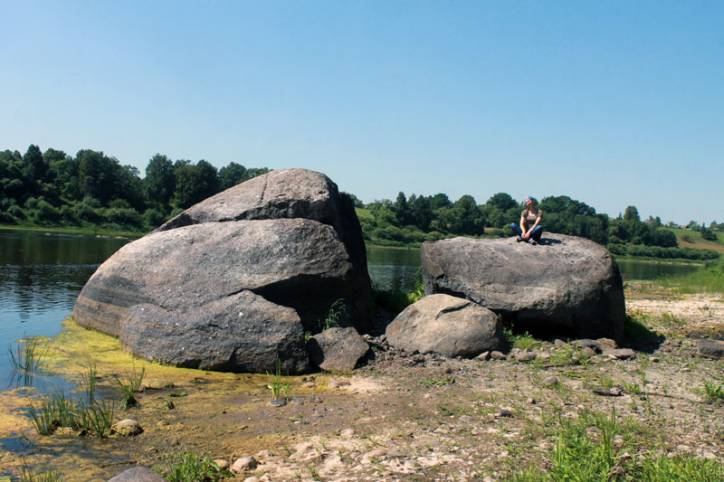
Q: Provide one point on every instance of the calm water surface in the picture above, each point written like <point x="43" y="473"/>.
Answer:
<point x="42" y="273"/>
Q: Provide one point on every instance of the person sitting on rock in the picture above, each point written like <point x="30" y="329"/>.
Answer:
<point x="530" y="229"/>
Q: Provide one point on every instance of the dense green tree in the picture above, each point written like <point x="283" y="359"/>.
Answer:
<point x="402" y="210"/>
<point x="160" y="180"/>
<point x="231" y="175"/>
<point x="631" y="214"/>
<point x="194" y="182"/>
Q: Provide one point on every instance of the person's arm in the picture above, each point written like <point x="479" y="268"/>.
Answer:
<point x="524" y="234"/>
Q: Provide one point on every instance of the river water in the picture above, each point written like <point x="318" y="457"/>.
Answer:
<point x="42" y="273"/>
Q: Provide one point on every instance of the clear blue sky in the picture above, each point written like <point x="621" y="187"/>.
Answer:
<point x="613" y="103"/>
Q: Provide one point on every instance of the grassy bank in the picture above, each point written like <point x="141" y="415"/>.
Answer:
<point x="76" y="230"/>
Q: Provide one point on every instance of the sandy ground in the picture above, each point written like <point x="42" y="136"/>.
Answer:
<point x="401" y="418"/>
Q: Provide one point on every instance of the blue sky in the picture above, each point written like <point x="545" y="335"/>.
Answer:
<point x="613" y="103"/>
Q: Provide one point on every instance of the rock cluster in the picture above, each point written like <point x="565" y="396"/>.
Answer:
<point x="233" y="282"/>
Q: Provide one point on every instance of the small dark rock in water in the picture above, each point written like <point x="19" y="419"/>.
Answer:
<point x="137" y="474"/>
<point x="711" y="348"/>
<point x="127" y="428"/>
<point x="278" y="402"/>
<point x="622" y="353"/>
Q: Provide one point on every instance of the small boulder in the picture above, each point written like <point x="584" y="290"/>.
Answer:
<point x="497" y="355"/>
<point x="127" y="428"/>
<point x="337" y="349"/>
<point x="710" y="348"/>
<point x="446" y="325"/>
<point x="137" y="474"/>
<point x="222" y="464"/>
<point x="524" y="356"/>
<point x="588" y="343"/>
<point x="243" y="464"/>
<point x="621" y="353"/>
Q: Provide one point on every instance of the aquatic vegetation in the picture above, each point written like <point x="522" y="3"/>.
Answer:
<point x="95" y="418"/>
<point x="191" y="467"/>
<point x="58" y="411"/>
<point x="26" y="475"/>
<point x="88" y="381"/>
<point x="131" y="385"/>
<point x="27" y="360"/>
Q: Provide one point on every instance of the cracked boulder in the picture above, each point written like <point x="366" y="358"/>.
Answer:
<point x="447" y="325"/>
<point x="566" y="283"/>
<point x="233" y="282"/>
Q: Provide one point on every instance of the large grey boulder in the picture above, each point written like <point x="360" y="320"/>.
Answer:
<point x="565" y="282"/>
<point x="337" y="348"/>
<point x="242" y="332"/>
<point x="446" y="325"/>
<point x="285" y="193"/>
<point x="233" y="292"/>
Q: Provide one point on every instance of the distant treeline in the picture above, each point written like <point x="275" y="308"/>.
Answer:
<point x="53" y="188"/>
<point x="91" y="189"/>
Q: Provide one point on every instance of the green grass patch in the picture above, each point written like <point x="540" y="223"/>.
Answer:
<point x="598" y="447"/>
<point x="713" y="392"/>
<point x="191" y="467"/>
<point x="437" y="381"/>
<point x="709" y="279"/>
<point x="522" y="341"/>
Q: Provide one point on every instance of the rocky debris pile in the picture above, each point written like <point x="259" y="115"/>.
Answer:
<point x="566" y="283"/>
<point x="446" y="325"/>
<point x="233" y="282"/>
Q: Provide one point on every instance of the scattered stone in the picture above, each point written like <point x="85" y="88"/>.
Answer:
<point x="127" y="428"/>
<point x="551" y="381"/>
<point x="347" y="433"/>
<point x="497" y="355"/>
<point x="337" y="348"/>
<point x="588" y="352"/>
<point x="137" y="474"/>
<point x="608" y="392"/>
<point x="504" y="412"/>
<point x="338" y="383"/>
<point x="525" y="356"/>
<point x="543" y="356"/>
<point x="278" y="402"/>
<point x="242" y="464"/>
<point x="621" y="353"/>
<point x="559" y="343"/>
<point x="710" y="348"/>
<point x="446" y="325"/>
<point x="531" y="401"/>
<point x="222" y="464"/>
<point x="570" y="282"/>
<point x="484" y="356"/>
<point x="592" y="345"/>
<point x="607" y="343"/>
